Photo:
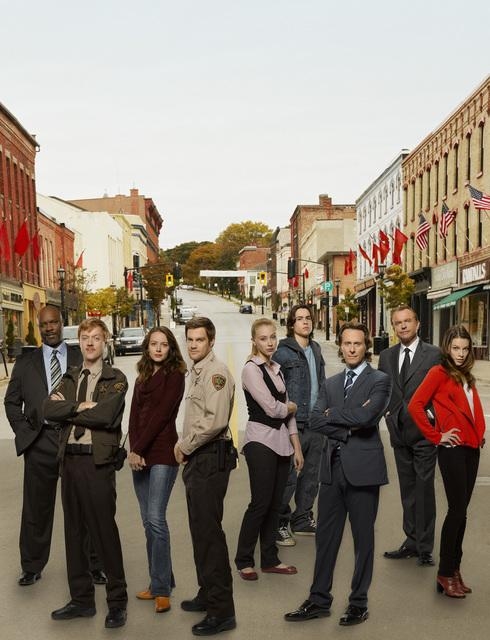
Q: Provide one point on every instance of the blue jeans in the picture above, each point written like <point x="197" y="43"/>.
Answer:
<point x="153" y="487"/>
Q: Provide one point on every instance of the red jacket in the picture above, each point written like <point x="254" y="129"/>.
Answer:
<point x="451" y="408"/>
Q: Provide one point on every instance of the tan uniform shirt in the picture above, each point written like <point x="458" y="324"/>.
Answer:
<point x="91" y="382"/>
<point x="208" y="403"/>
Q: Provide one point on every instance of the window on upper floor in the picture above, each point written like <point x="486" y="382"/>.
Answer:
<point x="456" y="166"/>
<point x="468" y="157"/>
<point x="481" y="147"/>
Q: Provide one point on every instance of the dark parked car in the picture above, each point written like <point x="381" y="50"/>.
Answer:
<point x="130" y="340"/>
<point x="245" y="308"/>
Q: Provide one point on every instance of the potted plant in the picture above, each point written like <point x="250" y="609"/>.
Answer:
<point x="30" y="337"/>
<point x="10" y="339"/>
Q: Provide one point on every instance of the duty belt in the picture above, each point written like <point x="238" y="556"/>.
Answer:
<point x="78" y="449"/>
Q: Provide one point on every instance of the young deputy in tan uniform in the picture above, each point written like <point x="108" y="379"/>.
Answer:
<point x="206" y="449"/>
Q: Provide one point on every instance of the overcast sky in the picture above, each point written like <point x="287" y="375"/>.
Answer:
<point x="224" y="110"/>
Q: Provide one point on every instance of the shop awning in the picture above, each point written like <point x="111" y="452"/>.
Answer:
<point x="364" y="292"/>
<point x="452" y="298"/>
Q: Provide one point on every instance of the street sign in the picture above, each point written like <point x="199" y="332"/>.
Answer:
<point x="327" y="286"/>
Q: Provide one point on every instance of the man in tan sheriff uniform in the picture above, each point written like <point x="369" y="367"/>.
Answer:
<point x="207" y="451"/>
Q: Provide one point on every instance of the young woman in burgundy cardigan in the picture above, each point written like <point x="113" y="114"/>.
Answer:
<point x="271" y="438"/>
<point x="152" y="436"/>
<point x="458" y="432"/>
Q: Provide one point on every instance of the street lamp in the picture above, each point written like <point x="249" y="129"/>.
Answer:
<point x="337" y="289"/>
<point x="61" y="278"/>
<point x="382" y="268"/>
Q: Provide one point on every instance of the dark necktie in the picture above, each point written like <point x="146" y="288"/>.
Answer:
<point x="81" y="397"/>
<point x="349" y="381"/>
<point x="405" y="366"/>
<point x="55" y="370"/>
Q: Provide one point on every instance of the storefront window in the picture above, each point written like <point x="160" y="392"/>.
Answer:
<point x="473" y="315"/>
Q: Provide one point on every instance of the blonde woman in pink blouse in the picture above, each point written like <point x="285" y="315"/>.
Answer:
<point x="271" y="438"/>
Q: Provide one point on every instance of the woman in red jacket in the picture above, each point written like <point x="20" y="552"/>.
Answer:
<point x="152" y="435"/>
<point x="459" y="429"/>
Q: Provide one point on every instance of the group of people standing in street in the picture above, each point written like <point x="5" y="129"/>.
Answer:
<point x="306" y="435"/>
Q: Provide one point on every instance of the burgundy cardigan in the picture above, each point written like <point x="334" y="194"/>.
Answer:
<point x="154" y="408"/>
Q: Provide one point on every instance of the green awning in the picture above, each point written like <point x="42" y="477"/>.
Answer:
<point x="452" y="298"/>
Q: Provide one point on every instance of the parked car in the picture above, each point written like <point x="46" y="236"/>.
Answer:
<point x="130" y="340"/>
<point x="70" y="336"/>
<point x="184" y="314"/>
<point x="246" y="308"/>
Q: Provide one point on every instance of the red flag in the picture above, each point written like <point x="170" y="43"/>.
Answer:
<point x="129" y="280"/>
<point x="79" y="264"/>
<point x="399" y="240"/>
<point x="295" y="281"/>
<point x="21" y="243"/>
<point x="375" y="257"/>
<point x="384" y="246"/>
<point x="364" y="254"/>
<point x="4" y="242"/>
<point x="306" y="273"/>
<point x="346" y="267"/>
<point x="352" y="257"/>
<point x="36" y="249"/>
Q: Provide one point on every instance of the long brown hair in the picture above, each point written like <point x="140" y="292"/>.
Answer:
<point x="173" y="362"/>
<point x="463" y="373"/>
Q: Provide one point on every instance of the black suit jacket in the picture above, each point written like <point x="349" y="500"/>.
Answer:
<point x="353" y="424"/>
<point x="403" y="430"/>
<point x="26" y="391"/>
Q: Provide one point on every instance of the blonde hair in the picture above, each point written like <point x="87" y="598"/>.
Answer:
<point x="255" y="325"/>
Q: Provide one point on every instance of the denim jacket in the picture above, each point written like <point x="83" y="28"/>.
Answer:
<point x="294" y="366"/>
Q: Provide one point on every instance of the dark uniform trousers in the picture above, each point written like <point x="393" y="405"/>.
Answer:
<point x="335" y="501"/>
<point x="88" y="494"/>
<point x="206" y="486"/>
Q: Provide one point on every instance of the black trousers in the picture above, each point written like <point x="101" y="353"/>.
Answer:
<point x="268" y="474"/>
<point x="416" y="467"/>
<point x="335" y="502"/>
<point x="459" y="467"/>
<point x="206" y="486"/>
<point x="89" y="504"/>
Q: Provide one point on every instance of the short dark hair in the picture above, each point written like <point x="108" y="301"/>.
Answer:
<point x="292" y="318"/>
<point x="200" y="322"/>
<point x="357" y="326"/>
<point x="403" y="307"/>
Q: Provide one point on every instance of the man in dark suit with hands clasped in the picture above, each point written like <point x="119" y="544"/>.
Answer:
<point x="349" y="407"/>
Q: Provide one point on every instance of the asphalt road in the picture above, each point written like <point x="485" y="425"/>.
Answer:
<point x="403" y="602"/>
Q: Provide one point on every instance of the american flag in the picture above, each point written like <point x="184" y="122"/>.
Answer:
<point x="480" y="200"/>
<point x="446" y="220"/>
<point x="422" y="233"/>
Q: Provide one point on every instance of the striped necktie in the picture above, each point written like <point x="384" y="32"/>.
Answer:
<point x="55" y="370"/>
<point x="349" y="381"/>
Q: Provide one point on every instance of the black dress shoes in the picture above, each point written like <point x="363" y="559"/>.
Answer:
<point x="116" y="618"/>
<point x="193" y="605"/>
<point x="401" y="553"/>
<point x="211" y="625"/>
<point x="98" y="577"/>
<point x="70" y="611"/>
<point x="307" y="611"/>
<point x="425" y="560"/>
<point x="354" y="615"/>
<point x="28" y="577"/>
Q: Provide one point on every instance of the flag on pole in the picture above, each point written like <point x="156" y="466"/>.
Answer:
<point x="129" y="280"/>
<point x="446" y="219"/>
<point x="4" y="242"/>
<point x="346" y="267"/>
<point x="384" y="246"/>
<point x="480" y="200"/>
<point x="375" y="257"/>
<point x="21" y="243"/>
<point x="79" y="263"/>
<point x="422" y="233"/>
<point x="398" y="243"/>
<point x="364" y="254"/>
<point x="36" y="249"/>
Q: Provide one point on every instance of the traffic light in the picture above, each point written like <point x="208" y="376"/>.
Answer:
<point x="262" y="277"/>
<point x="291" y="268"/>
<point x="169" y="280"/>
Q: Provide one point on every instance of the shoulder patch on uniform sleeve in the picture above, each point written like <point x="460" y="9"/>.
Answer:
<point x="119" y="387"/>
<point x="218" y="381"/>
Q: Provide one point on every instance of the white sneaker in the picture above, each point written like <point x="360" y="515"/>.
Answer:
<point x="284" y="538"/>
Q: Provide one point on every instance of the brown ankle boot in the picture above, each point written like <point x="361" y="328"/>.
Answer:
<point x="162" y="604"/>
<point x="464" y="587"/>
<point x="450" y="587"/>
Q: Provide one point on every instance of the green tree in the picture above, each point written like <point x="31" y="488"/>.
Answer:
<point x="347" y="309"/>
<point x="396" y="287"/>
<point x="205" y="256"/>
<point x="30" y="337"/>
<point x="180" y="253"/>
<point x="102" y="300"/>
<point x="238" y="235"/>
<point x="153" y="274"/>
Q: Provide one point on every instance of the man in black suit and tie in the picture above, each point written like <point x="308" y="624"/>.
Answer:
<point x="407" y="364"/>
<point x="35" y="374"/>
<point x="348" y="410"/>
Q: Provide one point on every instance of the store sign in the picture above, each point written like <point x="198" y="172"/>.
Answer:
<point x="444" y="275"/>
<point x="475" y="272"/>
